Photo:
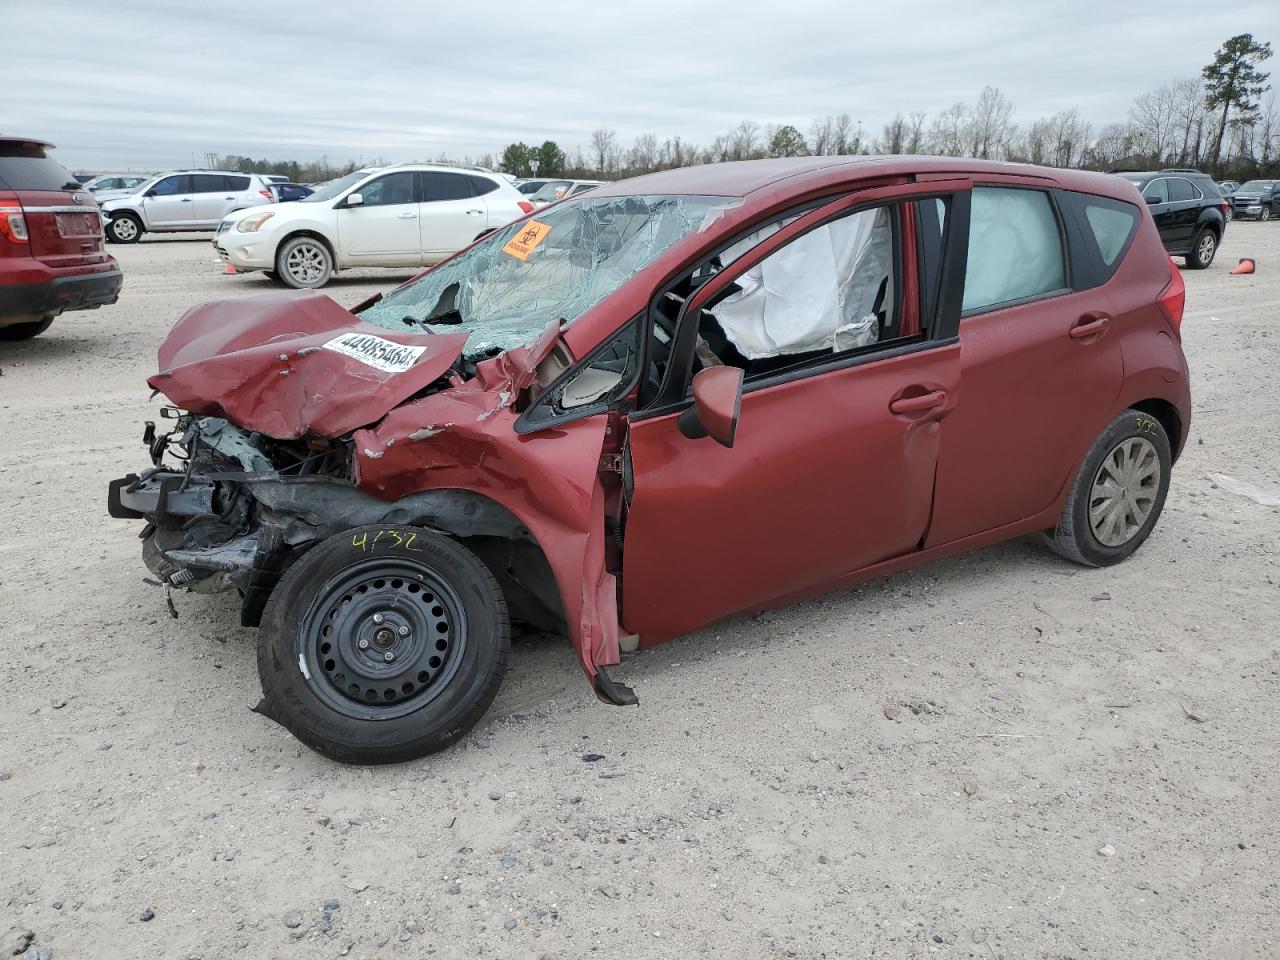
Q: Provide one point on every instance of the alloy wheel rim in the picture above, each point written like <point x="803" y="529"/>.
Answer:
<point x="1206" y="246"/>
<point x="383" y="639"/>
<point x="124" y="228"/>
<point x="1124" y="491"/>
<point x="306" y="263"/>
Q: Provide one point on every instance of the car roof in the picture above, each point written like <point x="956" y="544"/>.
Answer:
<point x="27" y="140"/>
<point x="746" y="178"/>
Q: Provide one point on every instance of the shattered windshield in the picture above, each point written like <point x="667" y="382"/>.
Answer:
<point x="506" y="289"/>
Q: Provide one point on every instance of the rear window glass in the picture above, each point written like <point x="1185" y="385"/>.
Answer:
<point x="1180" y="188"/>
<point x="1112" y="224"/>
<point x="1015" y="248"/>
<point x="27" y="169"/>
<point x="482" y="185"/>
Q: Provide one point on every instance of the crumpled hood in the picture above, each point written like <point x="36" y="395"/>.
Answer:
<point x="295" y="364"/>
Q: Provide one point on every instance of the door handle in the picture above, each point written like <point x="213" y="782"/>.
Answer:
<point x="920" y="404"/>
<point x="475" y="212"/>
<point x="1090" y="326"/>
<point x="407" y="216"/>
<point x="186" y="200"/>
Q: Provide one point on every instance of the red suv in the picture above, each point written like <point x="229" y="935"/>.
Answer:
<point x="51" y="256"/>
<point x="672" y="400"/>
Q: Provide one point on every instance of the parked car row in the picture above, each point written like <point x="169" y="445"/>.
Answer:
<point x="51" y="251"/>
<point x="548" y="191"/>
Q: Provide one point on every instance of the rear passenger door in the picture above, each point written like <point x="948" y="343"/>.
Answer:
<point x="213" y="197"/>
<point x="1042" y="365"/>
<point x="452" y="216"/>
<point x="1184" y="211"/>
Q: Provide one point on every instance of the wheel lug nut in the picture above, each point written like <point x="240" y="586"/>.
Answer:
<point x="404" y="631"/>
<point x="378" y="618"/>
<point x="363" y="644"/>
<point x="388" y="656"/>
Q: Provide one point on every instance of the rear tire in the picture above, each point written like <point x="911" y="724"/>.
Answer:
<point x="1118" y="493"/>
<point x="1265" y="214"/>
<point x="383" y="644"/>
<point x="304" y="263"/>
<point x="124" y="228"/>
<point x="25" y="331"/>
<point x="1203" y="249"/>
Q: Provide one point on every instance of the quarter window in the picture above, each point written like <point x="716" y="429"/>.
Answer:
<point x="1015" y="248"/>
<point x="1112" y="224"/>
<point x="482" y="185"/>
<point x="237" y="183"/>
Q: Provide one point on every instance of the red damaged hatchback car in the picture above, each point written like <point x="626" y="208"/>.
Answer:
<point x="673" y="400"/>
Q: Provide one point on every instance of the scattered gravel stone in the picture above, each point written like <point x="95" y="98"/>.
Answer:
<point x="358" y="885"/>
<point x="5" y="775"/>
<point x="495" y="795"/>
<point x="332" y="905"/>
<point x="15" y="941"/>
<point x="936" y="938"/>
<point x="970" y="789"/>
<point x="454" y="888"/>
<point x="892" y="713"/>
<point x="57" y="904"/>
<point x="1107" y="850"/>
<point x="484" y="743"/>
<point x="860" y="775"/>
<point x="59" y="704"/>
<point x="609" y="890"/>
<point x="414" y="927"/>
<point x="592" y="757"/>
<point x="509" y="925"/>
<point x="1100" y="596"/>
<point x="547" y="861"/>
<point x="293" y="920"/>
<point x="147" y="915"/>
<point x="822" y="858"/>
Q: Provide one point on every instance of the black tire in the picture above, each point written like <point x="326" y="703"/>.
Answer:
<point x="1075" y="537"/>
<point x="351" y="706"/>
<point x="304" y="263"/>
<point x="1203" y="249"/>
<point x="25" y="331"/>
<point x="271" y="275"/>
<point x="124" y="228"/>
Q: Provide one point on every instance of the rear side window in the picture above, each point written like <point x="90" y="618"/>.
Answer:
<point x="209" y="183"/>
<point x="1180" y="188"/>
<point x="1112" y="224"/>
<point x="482" y="185"/>
<point x="27" y="168"/>
<point x="1015" y="248"/>
<point x="444" y="186"/>
<point x="237" y="183"/>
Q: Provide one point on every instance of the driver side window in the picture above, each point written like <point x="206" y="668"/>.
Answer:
<point x="171" y="187"/>
<point x="394" y="188"/>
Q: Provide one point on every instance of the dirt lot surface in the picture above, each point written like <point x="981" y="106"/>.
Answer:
<point x="1093" y="771"/>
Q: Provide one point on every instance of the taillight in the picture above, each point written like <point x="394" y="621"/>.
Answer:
<point x="1173" y="298"/>
<point x="13" y="225"/>
<point x="1225" y="207"/>
<point x="265" y="193"/>
<point x="526" y="206"/>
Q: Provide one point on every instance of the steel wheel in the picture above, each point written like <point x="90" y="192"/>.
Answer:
<point x="1265" y="214"/>
<point x="307" y="263"/>
<point x="1124" y="491"/>
<point x="383" y="638"/>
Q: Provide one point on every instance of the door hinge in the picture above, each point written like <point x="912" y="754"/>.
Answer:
<point x="611" y="463"/>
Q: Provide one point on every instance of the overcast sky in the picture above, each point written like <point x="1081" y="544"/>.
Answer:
<point x="153" y="84"/>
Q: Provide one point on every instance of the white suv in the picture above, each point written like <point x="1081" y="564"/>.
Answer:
<point x="408" y="215"/>
<point x="182" y="200"/>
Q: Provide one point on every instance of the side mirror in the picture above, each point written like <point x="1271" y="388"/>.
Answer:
<point x="353" y="200"/>
<point x="717" y="399"/>
<point x="1151" y="200"/>
<point x="150" y="193"/>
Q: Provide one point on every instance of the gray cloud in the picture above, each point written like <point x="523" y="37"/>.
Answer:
<point x="150" y="83"/>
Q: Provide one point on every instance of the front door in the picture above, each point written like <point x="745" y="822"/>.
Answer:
<point x="851" y="367"/>
<point x="169" y="204"/>
<point x="383" y="229"/>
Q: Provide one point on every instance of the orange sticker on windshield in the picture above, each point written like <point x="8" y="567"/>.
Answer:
<point x="527" y="239"/>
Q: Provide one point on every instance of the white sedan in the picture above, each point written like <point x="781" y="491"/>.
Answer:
<point x="406" y="215"/>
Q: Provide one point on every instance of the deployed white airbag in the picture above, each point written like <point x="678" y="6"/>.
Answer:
<point x="816" y="293"/>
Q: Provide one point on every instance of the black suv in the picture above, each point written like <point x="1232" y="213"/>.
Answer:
<point x="1189" y="212"/>
<point x="1257" y="199"/>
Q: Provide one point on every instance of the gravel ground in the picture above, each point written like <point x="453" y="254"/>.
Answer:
<point x="1085" y="777"/>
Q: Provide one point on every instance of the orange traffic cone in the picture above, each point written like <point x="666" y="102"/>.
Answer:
<point x="230" y="269"/>
<point x="1246" y="265"/>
